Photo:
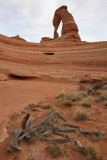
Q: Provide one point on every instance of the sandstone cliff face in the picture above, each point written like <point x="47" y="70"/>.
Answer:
<point x="69" y="28"/>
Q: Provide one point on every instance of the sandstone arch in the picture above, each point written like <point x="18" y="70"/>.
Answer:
<point x="69" y="28"/>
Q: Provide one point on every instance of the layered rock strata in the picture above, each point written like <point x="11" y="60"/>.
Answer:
<point x="69" y="27"/>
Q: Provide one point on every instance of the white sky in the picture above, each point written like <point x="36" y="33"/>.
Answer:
<point x="32" y="19"/>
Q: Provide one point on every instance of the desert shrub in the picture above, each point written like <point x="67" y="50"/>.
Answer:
<point x="102" y="97"/>
<point x="41" y="104"/>
<point x="68" y="103"/>
<point x="65" y="102"/>
<point x="53" y="109"/>
<point x="77" y="95"/>
<point x="32" y="105"/>
<point x="55" y="150"/>
<point x="91" y="149"/>
<point x="67" y="99"/>
<point x="15" y="115"/>
<point x="46" y="106"/>
<point x="105" y="104"/>
<point x="62" y="95"/>
<point x="87" y="102"/>
<point x="81" y="114"/>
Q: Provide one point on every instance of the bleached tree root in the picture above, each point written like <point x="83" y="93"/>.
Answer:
<point x="45" y="128"/>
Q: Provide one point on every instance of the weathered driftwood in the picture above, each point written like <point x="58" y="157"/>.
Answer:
<point x="13" y="145"/>
<point x="45" y="128"/>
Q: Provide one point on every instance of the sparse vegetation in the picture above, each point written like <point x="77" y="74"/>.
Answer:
<point x="105" y="104"/>
<point x="87" y="75"/>
<point x="32" y="105"/>
<point x="46" y="106"/>
<point x="41" y="104"/>
<point x="55" y="150"/>
<point x="15" y="115"/>
<point x="65" y="102"/>
<point x="87" y="102"/>
<point x="53" y="109"/>
<point x="72" y="96"/>
<point x="81" y="114"/>
<point x="62" y="95"/>
<point x="102" y="97"/>
<point x="77" y="96"/>
<point x="91" y="149"/>
<point x="33" y="155"/>
<point x="68" y="99"/>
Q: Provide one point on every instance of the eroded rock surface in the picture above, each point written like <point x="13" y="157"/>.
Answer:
<point x="22" y="74"/>
<point x="19" y="38"/>
<point x="3" y="77"/>
<point x="46" y="39"/>
<point x="69" y="28"/>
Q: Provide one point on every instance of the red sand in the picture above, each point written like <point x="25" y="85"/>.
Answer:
<point x="45" y="76"/>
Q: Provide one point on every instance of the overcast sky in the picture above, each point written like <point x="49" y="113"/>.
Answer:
<point x="32" y="19"/>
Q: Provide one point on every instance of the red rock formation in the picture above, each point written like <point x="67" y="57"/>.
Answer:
<point x="18" y="37"/>
<point x="69" y="28"/>
<point x="46" y="39"/>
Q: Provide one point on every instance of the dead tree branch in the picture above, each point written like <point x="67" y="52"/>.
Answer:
<point x="45" y="128"/>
